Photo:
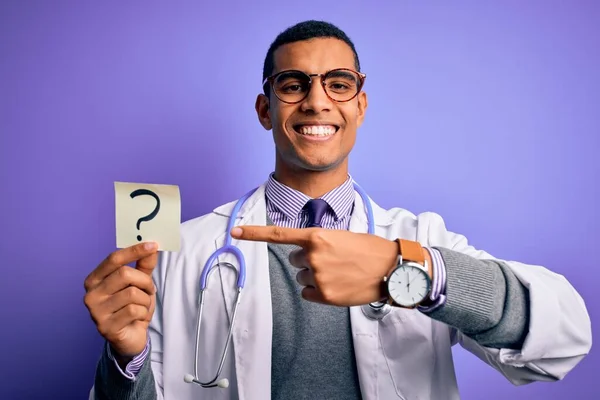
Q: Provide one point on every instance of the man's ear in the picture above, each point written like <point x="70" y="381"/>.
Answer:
<point x="262" y="111"/>
<point x="362" y="107"/>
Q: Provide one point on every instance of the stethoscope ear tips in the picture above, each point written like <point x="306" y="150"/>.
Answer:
<point x="223" y="383"/>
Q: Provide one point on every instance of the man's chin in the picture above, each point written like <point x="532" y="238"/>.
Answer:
<point x="312" y="165"/>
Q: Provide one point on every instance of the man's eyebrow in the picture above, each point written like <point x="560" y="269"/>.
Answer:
<point x="345" y="74"/>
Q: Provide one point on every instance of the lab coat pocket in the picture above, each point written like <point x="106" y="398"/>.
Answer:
<point x="406" y="342"/>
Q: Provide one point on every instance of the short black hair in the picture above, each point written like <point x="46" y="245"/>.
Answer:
<point x="306" y="30"/>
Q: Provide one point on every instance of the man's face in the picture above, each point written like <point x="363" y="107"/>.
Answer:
<point x="294" y="125"/>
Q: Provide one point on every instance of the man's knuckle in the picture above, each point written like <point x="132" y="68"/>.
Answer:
<point x="130" y="310"/>
<point x="114" y="258"/>
<point x="317" y="277"/>
<point x="88" y="283"/>
<point x="130" y="294"/>
<point x="277" y="233"/>
<point x="318" y="236"/>
<point x="124" y="273"/>
<point x="328" y="295"/>
<point x="88" y="301"/>
<point x="137" y="251"/>
<point x="135" y="311"/>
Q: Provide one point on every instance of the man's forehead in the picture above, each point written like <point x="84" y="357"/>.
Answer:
<point x="314" y="55"/>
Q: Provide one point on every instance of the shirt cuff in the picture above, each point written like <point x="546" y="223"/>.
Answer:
<point x="438" y="284"/>
<point x="135" y="365"/>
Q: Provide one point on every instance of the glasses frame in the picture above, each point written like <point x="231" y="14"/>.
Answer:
<point x="271" y="79"/>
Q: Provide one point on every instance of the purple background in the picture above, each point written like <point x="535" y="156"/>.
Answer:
<point x="494" y="108"/>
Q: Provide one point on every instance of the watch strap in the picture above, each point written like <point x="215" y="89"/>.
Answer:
<point x="408" y="250"/>
<point x="411" y="251"/>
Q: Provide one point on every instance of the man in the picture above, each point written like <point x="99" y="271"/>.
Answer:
<point x="304" y="327"/>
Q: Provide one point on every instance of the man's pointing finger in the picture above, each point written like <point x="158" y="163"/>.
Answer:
<point x="271" y="234"/>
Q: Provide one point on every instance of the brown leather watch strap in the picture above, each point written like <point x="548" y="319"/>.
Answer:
<point x="411" y="251"/>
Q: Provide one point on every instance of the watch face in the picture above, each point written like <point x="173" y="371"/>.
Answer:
<point x="409" y="284"/>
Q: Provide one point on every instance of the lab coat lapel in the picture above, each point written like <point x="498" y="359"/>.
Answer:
<point x="365" y="332"/>
<point x="253" y="324"/>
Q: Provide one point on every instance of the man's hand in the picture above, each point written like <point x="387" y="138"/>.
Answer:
<point x="336" y="267"/>
<point x="121" y="299"/>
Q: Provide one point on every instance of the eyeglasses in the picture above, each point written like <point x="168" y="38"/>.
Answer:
<point x="340" y="85"/>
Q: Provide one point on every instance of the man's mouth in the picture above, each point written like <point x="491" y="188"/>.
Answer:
<point x="316" y="130"/>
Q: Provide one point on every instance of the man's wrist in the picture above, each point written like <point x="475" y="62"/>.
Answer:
<point x="122" y="361"/>
<point x="393" y="253"/>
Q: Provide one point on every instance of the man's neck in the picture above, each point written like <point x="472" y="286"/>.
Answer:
<point x="312" y="183"/>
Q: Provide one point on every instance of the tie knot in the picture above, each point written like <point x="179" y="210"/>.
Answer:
<point x="316" y="209"/>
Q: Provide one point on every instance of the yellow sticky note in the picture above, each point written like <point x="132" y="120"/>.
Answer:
<point x="148" y="212"/>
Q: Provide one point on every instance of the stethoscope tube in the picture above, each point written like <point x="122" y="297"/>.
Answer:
<point x="374" y="311"/>
<point x="377" y="310"/>
<point x="241" y="279"/>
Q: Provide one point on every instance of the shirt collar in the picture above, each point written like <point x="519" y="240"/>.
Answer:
<point x="290" y="201"/>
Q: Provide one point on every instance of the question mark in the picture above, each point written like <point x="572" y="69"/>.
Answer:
<point x="141" y="192"/>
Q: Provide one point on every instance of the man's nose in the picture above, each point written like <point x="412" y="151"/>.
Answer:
<point x="316" y="99"/>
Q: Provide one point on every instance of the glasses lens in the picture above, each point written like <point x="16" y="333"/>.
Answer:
<point x="342" y="85"/>
<point x="291" y="86"/>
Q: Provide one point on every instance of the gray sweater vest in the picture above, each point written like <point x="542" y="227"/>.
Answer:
<point x="313" y="356"/>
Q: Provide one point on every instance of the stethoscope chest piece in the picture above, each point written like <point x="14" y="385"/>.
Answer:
<point x="376" y="311"/>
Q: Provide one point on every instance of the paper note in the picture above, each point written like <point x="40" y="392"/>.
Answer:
<point x="148" y="212"/>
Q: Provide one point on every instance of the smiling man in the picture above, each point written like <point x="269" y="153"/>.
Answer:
<point x="341" y="298"/>
<point x="314" y="130"/>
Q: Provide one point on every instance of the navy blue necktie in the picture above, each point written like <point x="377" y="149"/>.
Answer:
<point x="316" y="210"/>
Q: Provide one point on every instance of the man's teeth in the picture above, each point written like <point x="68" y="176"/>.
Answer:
<point x="317" y="130"/>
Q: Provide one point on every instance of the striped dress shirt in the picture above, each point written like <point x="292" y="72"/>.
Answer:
<point x="285" y="208"/>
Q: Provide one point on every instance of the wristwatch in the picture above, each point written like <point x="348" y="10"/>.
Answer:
<point x="408" y="283"/>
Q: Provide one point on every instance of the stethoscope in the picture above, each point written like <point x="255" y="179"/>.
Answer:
<point x="374" y="311"/>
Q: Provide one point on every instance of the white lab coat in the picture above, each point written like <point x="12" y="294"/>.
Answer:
<point x="407" y="355"/>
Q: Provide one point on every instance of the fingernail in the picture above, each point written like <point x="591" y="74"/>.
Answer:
<point x="236" y="232"/>
<point x="150" y="246"/>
